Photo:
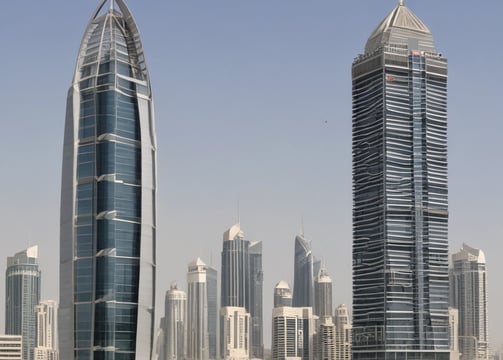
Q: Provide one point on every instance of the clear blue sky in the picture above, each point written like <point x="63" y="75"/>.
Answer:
<point x="253" y="103"/>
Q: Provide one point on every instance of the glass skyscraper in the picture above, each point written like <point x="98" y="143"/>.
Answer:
<point x="108" y="196"/>
<point x="400" y="250"/>
<point x="303" y="281"/>
<point x="22" y="295"/>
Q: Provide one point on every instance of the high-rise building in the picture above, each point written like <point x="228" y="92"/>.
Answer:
<point x="11" y="347"/>
<point x="22" y="295"/>
<point x="108" y="196"/>
<point x="325" y="339"/>
<point x="293" y="330"/>
<point x="197" y="311"/>
<point x="47" y="346"/>
<point x="212" y="292"/>
<point x="235" y="338"/>
<point x="256" y="310"/>
<point x="303" y="282"/>
<point x="282" y="294"/>
<point x="454" y="333"/>
<point x="343" y="331"/>
<point x="400" y="249"/>
<point x="323" y="294"/>
<point x="174" y="325"/>
<point x="468" y="280"/>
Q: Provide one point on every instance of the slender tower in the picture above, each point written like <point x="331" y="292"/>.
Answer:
<point x="323" y="294"/>
<point x="212" y="292"/>
<point x="22" y="295"/>
<point x="108" y="196"/>
<point x="303" y="282"/>
<point x="197" y="311"/>
<point x="400" y="250"/>
<point x="256" y="311"/>
<point x="282" y="294"/>
<point x="47" y="331"/>
<point x="468" y="278"/>
<point x="174" y="324"/>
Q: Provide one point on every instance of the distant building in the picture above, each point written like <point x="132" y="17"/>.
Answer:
<point x="453" y="333"/>
<point x="303" y="286"/>
<point x="212" y="292"/>
<point x="235" y="328"/>
<point x="197" y="311"/>
<point x="343" y="335"/>
<point x="325" y="339"/>
<point x="282" y="294"/>
<point x="47" y="331"/>
<point x="11" y="347"/>
<point x="256" y="298"/>
<point x="293" y="330"/>
<point x="468" y="287"/>
<point x="323" y="294"/>
<point x="22" y="295"/>
<point x="174" y="325"/>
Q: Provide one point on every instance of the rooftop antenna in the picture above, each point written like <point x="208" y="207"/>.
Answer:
<point x="112" y="4"/>
<point x="239" y="216"/>
<point x="302" y="225"/>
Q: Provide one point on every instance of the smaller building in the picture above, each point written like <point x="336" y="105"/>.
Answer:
<point x="235" y="328"/>
<point x="47" y="331"/>
<point x="343" y="333"/>
<point x="325" y="339"/>
<point x="323" y="294"/>
<point x="282" y="294"/>
<point x="454" y="333"/>
<point x="11" y="347"/>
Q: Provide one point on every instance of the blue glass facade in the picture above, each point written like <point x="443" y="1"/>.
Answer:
<point x="303" y="283"/>
<point x="400" y="213"/>
<point x="108" y="244"/>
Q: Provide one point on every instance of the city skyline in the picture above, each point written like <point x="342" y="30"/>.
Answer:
<point x="326" y="215"/>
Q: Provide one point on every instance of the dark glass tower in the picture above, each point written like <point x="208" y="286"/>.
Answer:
<point x="256" y="311"/>
<point x="400" y="250"/>
<point x="303" y="282"/>
<point x="212" y="292"/>
<point x="108" y="196"/>
<point x="22" y="295"/>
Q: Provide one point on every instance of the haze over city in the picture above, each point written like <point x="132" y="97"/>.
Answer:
<point x="253" y="104"/>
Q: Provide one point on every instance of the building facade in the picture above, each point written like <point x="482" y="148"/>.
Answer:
<point x="256" y="298"/>
<point x="174" y="325"/>
<point x="325" y="339"/>
<point x="47" y="347"/>
<point x="282" y="294"/>
<point x="468" y="280"/>
<point x="108" y="196"/>
<point x="293" y="330"/>
<point x="212" y="292"/>
<point x="235" y="339"/>
<point x="343" y="333"/>
<point x="197" y="311"/>
<point x="400" y="212"/>
<point x="22" y="295"/>
<point x="303" y="282"/>
<point x="323" y="294"/>
<point x="454" y="333"/>
<point x="11" y="347"/>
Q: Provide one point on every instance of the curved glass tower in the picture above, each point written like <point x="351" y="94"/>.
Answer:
<point x="303" y="282"/>
<point x="400" y="213"/>
<point x="108" y="197"/>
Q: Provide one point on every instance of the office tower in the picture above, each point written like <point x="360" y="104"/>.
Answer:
<point x="197" y="311"/>
<point x="212" y="292"/>
<point x="174" y="324"/>
<point x="469" y="295"/>
<point x="282" y="294"/>
<point x="343" y="330"/>
<point x="235" y="339"/>
<point x="303" y="286"/>
<point x="256" y="311"/>
<point x="293" y="330"/>
<point x="47" y="346"/>
<point x="454" y="333"/>
<point x="323" y="294"/>
<point x="400" y="250"/>
<point x="11" y="347"/>
<point x="108" y="196"/>
<point x="22" y="295"/>
<point x="325" y="339"/>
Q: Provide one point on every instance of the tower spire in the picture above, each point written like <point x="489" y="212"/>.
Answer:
<point x="400" y="2"/>
<point x="112" y="4"/>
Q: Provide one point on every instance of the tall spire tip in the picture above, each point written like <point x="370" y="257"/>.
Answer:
<point x="400" y="2"/>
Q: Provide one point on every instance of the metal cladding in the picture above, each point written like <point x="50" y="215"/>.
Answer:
<point x="108" y="196"/>
<point x="400" y="213"/>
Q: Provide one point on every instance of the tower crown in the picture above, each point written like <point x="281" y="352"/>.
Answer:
<point x="401" y="27"/>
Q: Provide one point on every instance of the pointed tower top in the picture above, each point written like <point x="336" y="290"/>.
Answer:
<point x="400" y="2"/>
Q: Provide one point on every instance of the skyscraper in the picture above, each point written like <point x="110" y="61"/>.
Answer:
<point x="282" y="294"/>
<point x="108" y="196"/>
<point x="22" y="295"/>
<point x="400" y="250"/>
<point x="256" y="311"/>
<point x="303" y="286"/>
<point x="293" y="330"/>
<point x="325" y="339"/>
<point x="469" y="295"/>
<point x="174" y="325"/>
<point x="197" y="311"/>
<point x="47" y="346"/>
<point x="11" y="347"/>
<point x="212" y="292"/>
<point x="235" y="338"/>
<point x="343" y="330"/>
<point x="323" y="294"/>
<point x="454" y="333"/>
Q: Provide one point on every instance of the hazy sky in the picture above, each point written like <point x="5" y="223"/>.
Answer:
<point x="253" y="103"/>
